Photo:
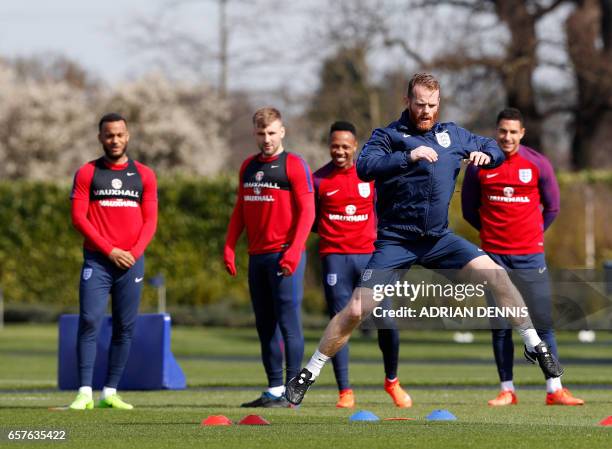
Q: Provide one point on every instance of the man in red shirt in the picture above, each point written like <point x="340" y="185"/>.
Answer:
<point x="512" y="205"/>
<point x="114" y="206"/>
<point x="346" y="224"/>
<point x="275" y="204"/>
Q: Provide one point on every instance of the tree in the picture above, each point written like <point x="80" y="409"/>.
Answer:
<point x="174" y="127"/>
<point x="344" y="93"/>
<point x="589" y="33"/>
<point x="349" y="35"/>
<point x="53" y="67"/>
<point x="46" y="125"/>
<point x="510" y="56"/>
<point x="48" y="121"/>
<point x="225" y="43"/>
<point x="491" y="55"/>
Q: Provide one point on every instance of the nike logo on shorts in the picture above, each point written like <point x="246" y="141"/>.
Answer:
<point x="130" y="173"/>
<point x="137" y="280"/>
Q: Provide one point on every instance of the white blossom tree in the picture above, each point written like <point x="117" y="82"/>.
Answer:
<point x="45" y="127"/>
<point x="174" y="127"/>
<point x="48" y="125"/>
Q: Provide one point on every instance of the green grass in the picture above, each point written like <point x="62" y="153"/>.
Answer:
<point x="172" y="419"/>
<point x="229" y="358"/>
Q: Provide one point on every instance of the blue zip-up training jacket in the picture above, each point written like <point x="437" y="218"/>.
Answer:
<point x="415" y="196"/>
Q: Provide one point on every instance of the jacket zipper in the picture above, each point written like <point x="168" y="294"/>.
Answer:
<point x="433" y="167"/>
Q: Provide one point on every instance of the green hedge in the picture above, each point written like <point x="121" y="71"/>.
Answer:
<point x="41" y="255"/>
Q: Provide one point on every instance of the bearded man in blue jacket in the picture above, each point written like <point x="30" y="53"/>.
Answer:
<point x="414" y="163"/>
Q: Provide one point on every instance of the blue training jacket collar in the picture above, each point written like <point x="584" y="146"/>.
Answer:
<point x="405" y="124"/>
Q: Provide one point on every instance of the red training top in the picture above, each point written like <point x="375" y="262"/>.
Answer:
<point x="276" y="205"/>
<point x="346" y="221"/>
<point x="512" y="204"/>
<point x="115" y="206"/>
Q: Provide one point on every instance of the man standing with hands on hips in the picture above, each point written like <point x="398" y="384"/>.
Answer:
<point x="275" y="204"/>
<point x="114" y="206"/>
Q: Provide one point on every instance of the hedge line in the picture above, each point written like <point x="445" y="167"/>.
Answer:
<point x="41" y="255"/>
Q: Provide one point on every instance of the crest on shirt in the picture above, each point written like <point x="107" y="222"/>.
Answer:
<point x="332" y="279"/>
<point x="525" y="175"/>
<point x="443" y="139"/>
<point x="87" y="272"/>
<point x="116" y="183"/>
<point x="364" y="189"/>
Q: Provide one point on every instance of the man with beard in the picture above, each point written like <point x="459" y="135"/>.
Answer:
<point x="346" y="224"/>
<point x="275" y="204"/>
<point x="512" y="206"/>
<point x="414" y="163"/>
<point x="114" y="206"/>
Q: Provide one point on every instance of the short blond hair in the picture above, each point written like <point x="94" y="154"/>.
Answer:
<point x="422" y="79"/>
<point x="264" y="116"/>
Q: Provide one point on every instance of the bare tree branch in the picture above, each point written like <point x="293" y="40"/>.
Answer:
<point x="396" y="42"/>
<point x="474" y="5"/>
<point x="543" y="10"/>
<point x="606" y="23"/>
<point x="458" y="61"/>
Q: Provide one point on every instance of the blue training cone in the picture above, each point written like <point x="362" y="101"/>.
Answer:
<point x="441" y="415"/>
<point x="364" y="415"/>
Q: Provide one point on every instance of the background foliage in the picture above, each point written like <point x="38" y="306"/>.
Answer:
<point x="40" y="252"/>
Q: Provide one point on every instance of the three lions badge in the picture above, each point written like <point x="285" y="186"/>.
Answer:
<point x="525" y="175"/>
<point x="332" y="279"/>
<point x="364" y="189"/>
<point x="87" y="272"/>
<point x="443" y="139"/>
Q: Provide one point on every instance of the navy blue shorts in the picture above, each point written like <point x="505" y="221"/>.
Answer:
<point x="396" y="251"/>
<point x="529" y="274"/>
<point x="341" y="273"/>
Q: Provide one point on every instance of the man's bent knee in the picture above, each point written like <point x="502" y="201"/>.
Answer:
<point x="483" y="268"/>
<point x="353" y="312"/>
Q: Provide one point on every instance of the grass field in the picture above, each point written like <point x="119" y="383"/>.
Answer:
<point x="223" y="369"/>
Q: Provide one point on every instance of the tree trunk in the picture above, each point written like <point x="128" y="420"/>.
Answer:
<point x="521" y="62"/>
<point x="589" y="47"/>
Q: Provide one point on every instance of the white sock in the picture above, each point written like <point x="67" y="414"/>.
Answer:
<point x="108" y="391"/>
<point x="86" y="390"/>
<point x="553" y="384"/>
<point x="530" y="338"/>
<point x="507" y="385"/>
<point x="317" y="362"/>
<point x="277" y="391"/>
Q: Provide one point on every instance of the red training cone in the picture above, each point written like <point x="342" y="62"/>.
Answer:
<point x="606" y="421"/>
<point x="254" y="420"/>
<point x="217" y="420"/>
